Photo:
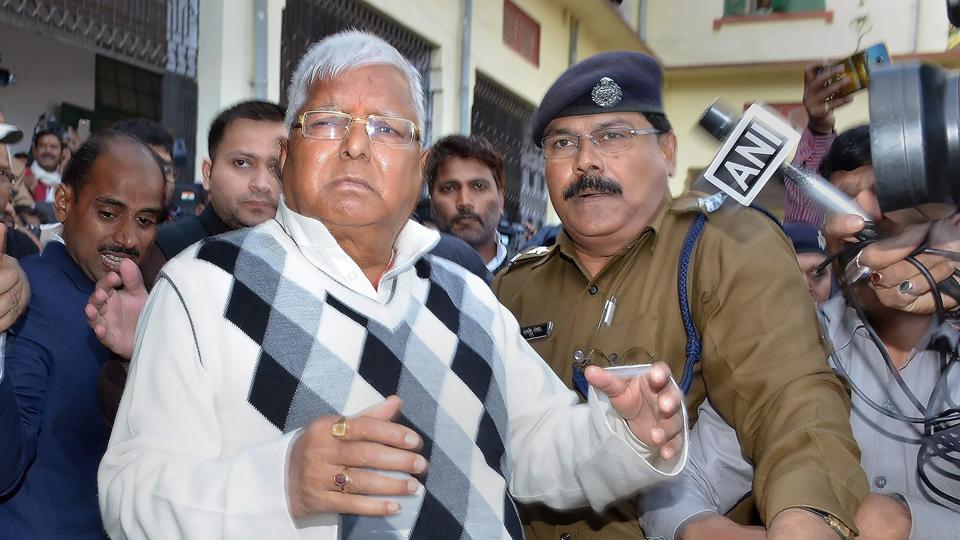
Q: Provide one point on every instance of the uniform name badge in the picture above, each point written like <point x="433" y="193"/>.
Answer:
<point x="537" y="331"/>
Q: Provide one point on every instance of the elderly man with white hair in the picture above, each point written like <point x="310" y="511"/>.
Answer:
<point x="322" y="376"/>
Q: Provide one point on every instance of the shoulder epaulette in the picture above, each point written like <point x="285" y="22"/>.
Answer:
<point x="532" y="254"/>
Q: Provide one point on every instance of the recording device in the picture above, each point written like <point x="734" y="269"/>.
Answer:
<point x="83" y="129"/>
<point x="857" y="69"/>
<point x="754" y="150"/>
<point x="915" y="138"/>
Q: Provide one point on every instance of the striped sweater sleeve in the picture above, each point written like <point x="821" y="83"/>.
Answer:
<point x="798" y="207"/>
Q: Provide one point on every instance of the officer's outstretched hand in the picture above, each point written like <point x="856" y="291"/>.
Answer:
<point x="650" y="403"/>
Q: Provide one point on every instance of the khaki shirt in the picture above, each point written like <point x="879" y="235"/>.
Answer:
<point x="763" y="364"/>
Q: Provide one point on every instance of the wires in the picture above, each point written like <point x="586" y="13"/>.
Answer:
<point x="941" y="428"/>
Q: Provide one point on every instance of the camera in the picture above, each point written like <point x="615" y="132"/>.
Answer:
<point x="915" y="137"/>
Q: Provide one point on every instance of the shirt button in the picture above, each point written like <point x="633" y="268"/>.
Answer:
<point x="593" y="290"/>
<point x="879" y="482"/>
<point x="565" y="536"/>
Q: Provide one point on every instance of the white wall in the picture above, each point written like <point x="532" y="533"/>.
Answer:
<point x="225" y="60"/>
<point x="49" y="72"/>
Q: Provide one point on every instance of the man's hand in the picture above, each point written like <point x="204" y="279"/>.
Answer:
<point x="883" y="518"/>
<point x="817" y="97"/>
<point x="14" y="289"/>
<point x="716" y="527"/>
<point x="651" y="405"/>
<point x="886" y="260"/>
<point x="112" y="312"/>
<point x="372" y="441"/>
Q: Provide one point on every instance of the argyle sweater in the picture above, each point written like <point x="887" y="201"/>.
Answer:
<point x="247" y="339"/>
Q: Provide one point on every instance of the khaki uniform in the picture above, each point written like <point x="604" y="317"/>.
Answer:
<point x="763" y="364"/>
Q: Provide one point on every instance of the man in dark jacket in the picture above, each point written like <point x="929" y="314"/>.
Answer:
<point x="109" y="202"/>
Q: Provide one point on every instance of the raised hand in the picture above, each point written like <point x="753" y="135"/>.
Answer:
<point x="14" y="289"/>
<point x="818" y="98"/>
<point x="114" y="308"/>
<point x="650" y="403"/>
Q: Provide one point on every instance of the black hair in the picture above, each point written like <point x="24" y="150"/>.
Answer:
<point x="849" y="151"/>
<point x="463" y="147"/>
<point x="43" y="133"/>
<point x="78" y="169"/>
<point x="21" y="155"/>
<point x="658" y="121"/>
<point x="261" y="111"/>
<point x="147" y="131"/>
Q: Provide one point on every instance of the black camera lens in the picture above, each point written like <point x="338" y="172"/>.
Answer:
<point x="915" y="135"/>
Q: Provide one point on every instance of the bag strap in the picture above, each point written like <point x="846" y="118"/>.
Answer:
<point x="694" y="343"/>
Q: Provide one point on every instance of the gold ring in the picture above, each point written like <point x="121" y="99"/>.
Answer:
<point x="339" y="429"/>
<point x="341" y="479"/>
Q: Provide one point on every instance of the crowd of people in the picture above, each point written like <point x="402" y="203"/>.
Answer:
<point x="310" y="357"/>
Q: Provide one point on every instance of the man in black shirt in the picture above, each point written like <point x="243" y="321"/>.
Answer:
<point x="239" y="176"/>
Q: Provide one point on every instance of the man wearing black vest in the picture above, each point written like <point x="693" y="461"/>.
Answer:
<point x="239" y="176"/>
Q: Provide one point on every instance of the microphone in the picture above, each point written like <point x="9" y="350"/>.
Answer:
<point x="749" y="157"/>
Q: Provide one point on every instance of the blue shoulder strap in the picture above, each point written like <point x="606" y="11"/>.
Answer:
<point x="694" y="343"/>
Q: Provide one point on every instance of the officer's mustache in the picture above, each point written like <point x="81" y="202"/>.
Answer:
<point x="592" y="183"/>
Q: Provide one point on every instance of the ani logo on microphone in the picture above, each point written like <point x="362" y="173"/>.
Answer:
<point x="751" y="154"/>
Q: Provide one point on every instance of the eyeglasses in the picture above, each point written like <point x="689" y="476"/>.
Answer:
<point x="9" y="176"/>
<point x="333" y="126"/>
<point x="596" y="357"/>
<point x="608" y="140"/>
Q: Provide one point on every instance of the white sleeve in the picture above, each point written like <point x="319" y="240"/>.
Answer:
<point x="164" y="475"/>
<point x="930" y="520"/>
<point x="715" y="479"/>
<point x="565" y="454"/>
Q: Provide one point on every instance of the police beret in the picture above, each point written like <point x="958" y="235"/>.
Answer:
<point x="617" y="81"/>
<point x="806" y="238"/>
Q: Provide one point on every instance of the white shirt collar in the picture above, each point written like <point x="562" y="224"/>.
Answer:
<point x="322" y="250"/>
<point x="501" y="255"/>
<point x="49" y="179"/>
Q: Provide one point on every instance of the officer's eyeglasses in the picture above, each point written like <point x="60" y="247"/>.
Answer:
<point x="596" y="357"/>
<point x="607" y="140"/>
<point x="334" y="125"/>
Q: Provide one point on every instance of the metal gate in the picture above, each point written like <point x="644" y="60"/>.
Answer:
<point x="504" y="120"/>
<point x="157" y="35"/>
<point x="308" y="21"/>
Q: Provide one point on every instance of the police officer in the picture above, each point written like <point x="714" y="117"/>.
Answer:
<point x="610" y="292"/>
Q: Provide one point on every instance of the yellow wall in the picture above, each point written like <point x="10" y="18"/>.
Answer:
<point x="681" y="32"/>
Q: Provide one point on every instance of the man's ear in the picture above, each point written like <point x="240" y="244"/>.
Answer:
<point x="205" y="169"/>
<point x="283" y="146"/>
<point x="62" y="202"/>
<point x="668" y="147"/>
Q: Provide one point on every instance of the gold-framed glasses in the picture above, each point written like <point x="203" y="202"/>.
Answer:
<point x="334" y="126"/>
<point x="607" y="140"/>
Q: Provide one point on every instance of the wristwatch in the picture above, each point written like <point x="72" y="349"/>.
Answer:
<point x="838" y="526"/>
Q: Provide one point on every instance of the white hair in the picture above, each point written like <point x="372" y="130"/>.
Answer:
<point x="341" y="52"/>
